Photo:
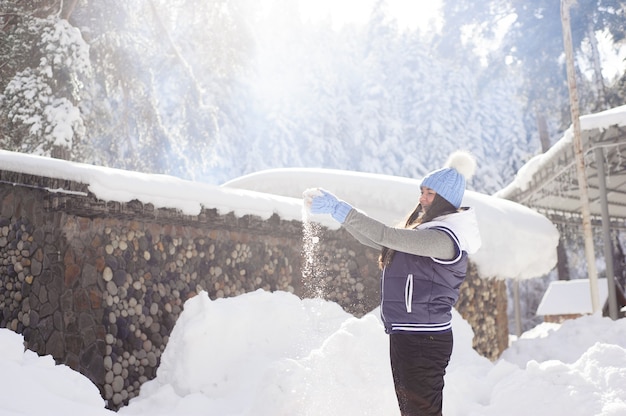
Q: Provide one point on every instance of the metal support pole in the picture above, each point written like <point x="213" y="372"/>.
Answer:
<point x="606" y="233"/>
<point x="580" y="160"/>
<point x="518" y="314"/>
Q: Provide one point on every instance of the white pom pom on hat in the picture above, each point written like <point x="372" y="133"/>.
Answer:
<point x="449" y="182"/>
<point x="464" y="163"/>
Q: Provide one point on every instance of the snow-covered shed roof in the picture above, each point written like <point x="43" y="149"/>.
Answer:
<point x="570" y="297"/>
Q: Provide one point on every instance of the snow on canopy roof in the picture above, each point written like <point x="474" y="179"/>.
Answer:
<point x="549" y="181"/>
<point x="570" y="297"/>
<point x="517" y="242"/>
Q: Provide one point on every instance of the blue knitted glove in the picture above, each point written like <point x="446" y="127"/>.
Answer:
<point x="327" y="203"/>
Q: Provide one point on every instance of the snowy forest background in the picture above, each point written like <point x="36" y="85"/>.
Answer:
<point x="209" y="90"/>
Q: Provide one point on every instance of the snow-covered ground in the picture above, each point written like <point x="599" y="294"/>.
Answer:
<point x="273" y="354"/>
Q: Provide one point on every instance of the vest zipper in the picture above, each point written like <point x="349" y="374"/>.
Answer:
<point x="382" y="293"/>
<point x="408" y="293"/>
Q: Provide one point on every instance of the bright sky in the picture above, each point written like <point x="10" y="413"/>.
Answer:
<point x="409" y="13"/>
<point x="426" y="14"/>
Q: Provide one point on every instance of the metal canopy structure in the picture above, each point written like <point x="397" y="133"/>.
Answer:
<point x="549" y="184"/>
<point x="553" y="187"/>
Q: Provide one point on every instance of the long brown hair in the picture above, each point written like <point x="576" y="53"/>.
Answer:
<point x="439" y="207"/>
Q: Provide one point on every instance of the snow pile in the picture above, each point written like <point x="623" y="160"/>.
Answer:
<point x="273" y="354"/>
<point x="33" y="385"/>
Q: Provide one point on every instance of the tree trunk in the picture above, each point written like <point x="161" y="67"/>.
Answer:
<point x="597" y="69"/>
<point x="67" y="8"/>
<point x="544" y="136"/>
<point x="60" y="152"/>
<point x="561" y="263"/>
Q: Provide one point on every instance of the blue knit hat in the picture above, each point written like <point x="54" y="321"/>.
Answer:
<point x="449" y="182"/>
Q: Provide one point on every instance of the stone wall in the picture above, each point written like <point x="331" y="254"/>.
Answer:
<point x="99" y="285"/>
<point x="483" y="304"/>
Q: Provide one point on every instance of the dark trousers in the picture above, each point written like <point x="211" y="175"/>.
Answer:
<point x="418" y="364"/>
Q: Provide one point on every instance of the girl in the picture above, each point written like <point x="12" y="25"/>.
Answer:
<point x="423" y="265"/>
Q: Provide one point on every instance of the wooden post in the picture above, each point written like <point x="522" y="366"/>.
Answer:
<point x="578" y="152"/>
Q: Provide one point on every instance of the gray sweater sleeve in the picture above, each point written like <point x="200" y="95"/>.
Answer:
<point x="373" y="233"/>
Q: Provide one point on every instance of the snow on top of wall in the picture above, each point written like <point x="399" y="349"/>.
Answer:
<point x="517" y="242"/>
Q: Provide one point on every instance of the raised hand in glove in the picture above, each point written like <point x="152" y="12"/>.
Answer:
<point x="323" y="202"/>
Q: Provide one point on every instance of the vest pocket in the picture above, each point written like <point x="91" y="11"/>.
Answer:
<point x="408" y="293"/>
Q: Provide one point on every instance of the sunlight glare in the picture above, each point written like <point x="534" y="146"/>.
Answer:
<point x="410" y="14"/>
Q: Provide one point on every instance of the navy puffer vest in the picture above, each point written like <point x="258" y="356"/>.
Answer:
<point x="418" y="292"/>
